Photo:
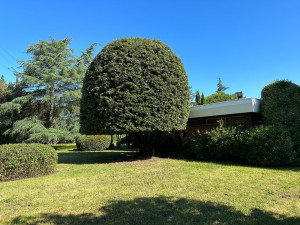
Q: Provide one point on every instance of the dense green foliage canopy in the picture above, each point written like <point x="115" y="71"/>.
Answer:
<point x="3" y="88"/>
<point x="219" y="97"/>
<point x="281" y="107"/>
<point x="134" y="85"/>
<point x="261" y="146"/>
<point x="44" y="105"/>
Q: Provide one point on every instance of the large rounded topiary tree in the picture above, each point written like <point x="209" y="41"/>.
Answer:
<point x="135" y="85"/>
<point x="281" y="107"/>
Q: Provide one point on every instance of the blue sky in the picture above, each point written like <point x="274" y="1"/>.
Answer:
<point x="247" y="43"/>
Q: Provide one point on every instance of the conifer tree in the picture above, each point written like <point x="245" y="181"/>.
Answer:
<point x="221" y="87"/>
<point x="202" y="99"/>
<point x="47" y="108"/>
<point x="137" y="86"/>
<point x="3" y="87"/>
<point x="198" y="99"/>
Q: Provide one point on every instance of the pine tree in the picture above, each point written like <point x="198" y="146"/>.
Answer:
<point x="47" y="108"/>
<point x="3" y="88"/>
<point x="202" y="99"/>
<point x="221" y="87"/>
<point x="192" y="94"/>
<point x="198" y="99"/>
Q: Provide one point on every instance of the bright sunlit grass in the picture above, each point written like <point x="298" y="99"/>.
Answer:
<point x="113" y="188"/>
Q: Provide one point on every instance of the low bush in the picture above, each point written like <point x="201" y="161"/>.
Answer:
<point x="267" y="146"/>
<point x="93" y="142"/>
<point x="263" y="145"/>
<point x="26" y="160"/>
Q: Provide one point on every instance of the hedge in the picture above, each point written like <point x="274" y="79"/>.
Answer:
<point x="26" y="160"/>
<point x="281" y="107"/>
<point x="93" y="142"/>
<point x="260" y="146"/>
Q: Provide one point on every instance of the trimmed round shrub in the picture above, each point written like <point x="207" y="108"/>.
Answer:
<point x="281" y="107"/>
<point x="134" y="85"/>
<point x="93" y="142"/>
<point x="26" y="160"/>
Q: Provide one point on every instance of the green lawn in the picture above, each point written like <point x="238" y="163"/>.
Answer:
<point x="116" y="188"/>
<point x="64" y="146"/>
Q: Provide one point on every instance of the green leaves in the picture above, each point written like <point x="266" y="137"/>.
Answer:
<point x="219" y="97"/>
<point x="93" y="142"/>
<point x="281" y="107"/>
<point x="134" y="85"/>
<point x="44" y="106"/>
<point x="26" y="160"/>
<point x="261" y="145"/>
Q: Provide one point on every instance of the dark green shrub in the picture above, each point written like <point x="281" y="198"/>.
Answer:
<point x="26" y="160"/>
<point x="135" y="85"/>
<point x="93" y="142"/>
<point x="269" y="146"/>
<point x="199" y="146"/>
<point x="281" y="107"/>
<point x="219" y="97"/>
<point x="263" y="145"/>
<point x="216" y="144"/>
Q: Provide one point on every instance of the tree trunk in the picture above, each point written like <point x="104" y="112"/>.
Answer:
<point x="111" y="142"/>
<point x="143" y="140"/>
<point x="52" y="103"/>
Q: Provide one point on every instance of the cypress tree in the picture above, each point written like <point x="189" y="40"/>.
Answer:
<point x="202" y="99"/>
<point x="198" y="99"/>
<point x="136" y="86"/>
<point x="281" y="107"/>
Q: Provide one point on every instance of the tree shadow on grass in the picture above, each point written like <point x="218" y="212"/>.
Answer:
<point x="79" y="157"/>
<point x="162" y="210"/>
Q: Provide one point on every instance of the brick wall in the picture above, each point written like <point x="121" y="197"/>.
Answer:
<point x="208" y="123"/>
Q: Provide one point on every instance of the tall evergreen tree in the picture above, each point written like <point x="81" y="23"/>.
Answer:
<point x="202" y="102"/>
<point x="3" y="88"/>
<point x="221" y="87"/>
<point x="136" y="86"/>
<point x="198" y="99"/>
<point x="51" y="83"/>
<point x="192" y="94"/>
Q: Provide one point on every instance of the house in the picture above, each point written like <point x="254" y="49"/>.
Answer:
<point x="244" y="112"/>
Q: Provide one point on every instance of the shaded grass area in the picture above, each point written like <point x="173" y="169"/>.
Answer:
<point x="108" y="156"/>
<point x="162" y="210"/>
<point x="116" y="187"/>
<point x="64" y="146"/>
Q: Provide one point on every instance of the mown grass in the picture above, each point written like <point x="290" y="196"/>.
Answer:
<point x="114" y="187"/>
<point x="64" y="146"/>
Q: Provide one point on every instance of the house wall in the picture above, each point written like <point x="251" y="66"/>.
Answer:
<point x="208" y="123"/>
